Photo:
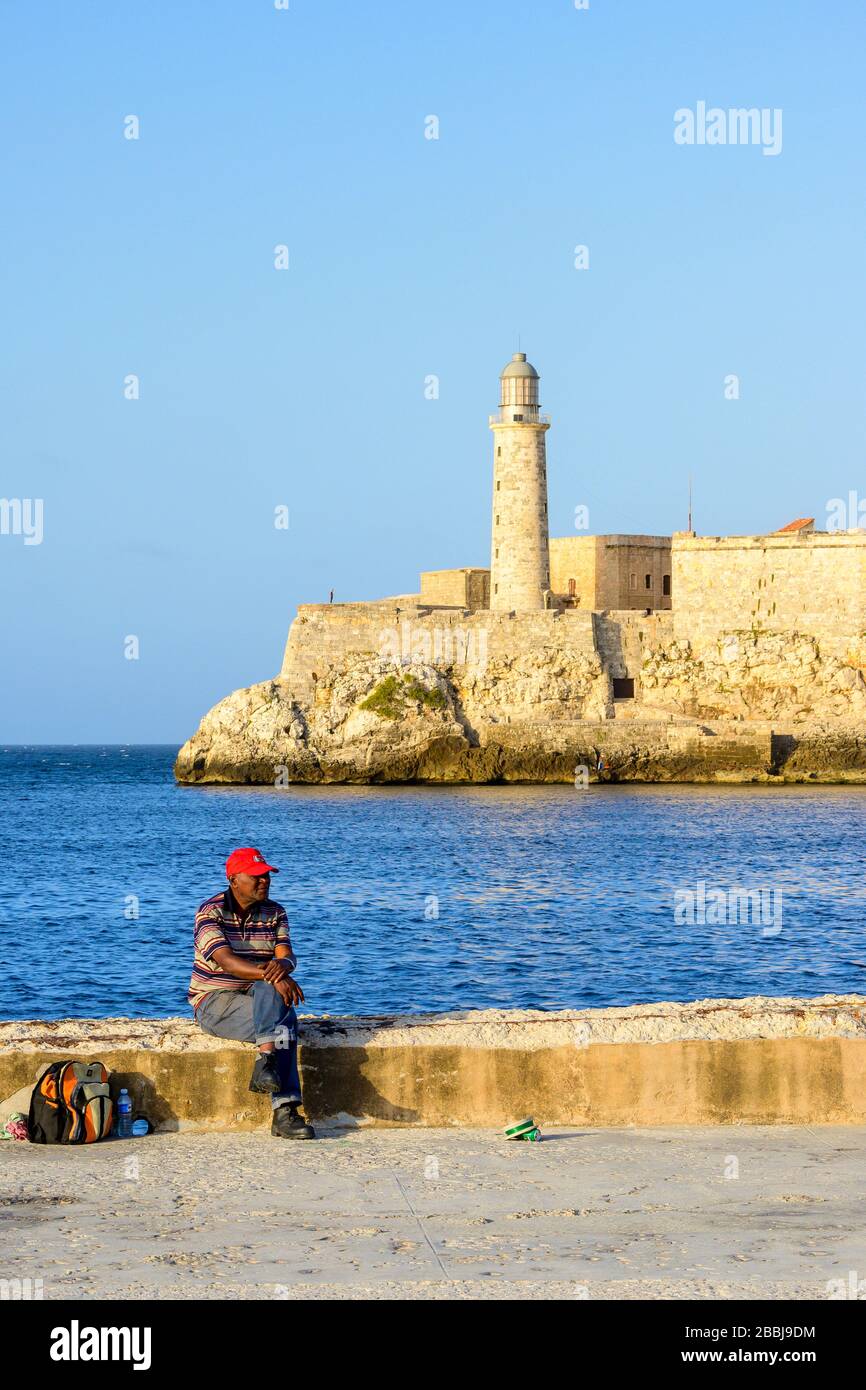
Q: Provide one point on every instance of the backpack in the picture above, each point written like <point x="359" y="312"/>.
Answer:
<point x="71" y="1104"/>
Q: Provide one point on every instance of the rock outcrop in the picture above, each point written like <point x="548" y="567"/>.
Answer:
<point x="776" y="676"/>
<point x="493" y="697"/>
<point x="366" y="723"/>
<point x="372" y="719"/>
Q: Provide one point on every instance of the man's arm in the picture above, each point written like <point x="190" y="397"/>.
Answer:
<point x="275" y="971"/>
<point x="239" y="966"/>
<point x="288" y="987"/>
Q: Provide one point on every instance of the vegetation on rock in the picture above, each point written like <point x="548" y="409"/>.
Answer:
<point x="390" y="697"/>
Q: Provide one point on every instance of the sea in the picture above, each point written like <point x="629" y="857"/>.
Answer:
<point x="407" y="899"/>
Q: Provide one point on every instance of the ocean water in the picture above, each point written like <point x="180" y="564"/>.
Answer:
<point x="410" y="898"/>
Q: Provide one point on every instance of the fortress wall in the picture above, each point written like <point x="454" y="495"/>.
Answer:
<point x="323" y="635"/>
<point x="477" y="589"/>
<point x="813" y="584"/>
<point x="624" y="637"/>
<point x="575" y="557"/>
<point x="689" y="753"/>
<point x="623" y="564"/>
<point x="753" y="1061"/>
<point x="457" y="588"/>
<point x="602" y="568"/>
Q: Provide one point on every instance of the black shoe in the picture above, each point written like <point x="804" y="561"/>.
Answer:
<point x="288" y="1124"/>
<point x="266" y="1076"/>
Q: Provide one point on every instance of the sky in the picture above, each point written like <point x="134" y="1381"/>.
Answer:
<point x="308" y="388"/>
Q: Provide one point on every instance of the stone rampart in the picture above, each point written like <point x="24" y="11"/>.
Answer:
<point x="327" y="636"/>
<point x="755" y="1061"/>
<point x="813" y="584"/>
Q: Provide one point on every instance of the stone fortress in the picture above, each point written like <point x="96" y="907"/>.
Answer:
<point x="620" y="657"/>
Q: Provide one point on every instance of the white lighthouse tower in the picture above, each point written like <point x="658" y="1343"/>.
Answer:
<point x="520" y="550"/>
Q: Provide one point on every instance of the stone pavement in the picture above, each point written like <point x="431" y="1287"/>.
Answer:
<point x="721" y="1212"/>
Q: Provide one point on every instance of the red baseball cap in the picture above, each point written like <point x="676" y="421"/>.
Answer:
<point x="248" y="861"/>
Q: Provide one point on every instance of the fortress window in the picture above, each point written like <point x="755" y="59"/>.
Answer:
<point x="497" y="518"/>
<point x="623" y="688"/>
<point x="497" y="552"/>
<point x="496" y="588"/>
<point x="498" y="454"/>
<point x="647" y="581"/>
<point x="497" y="484"/>
<point x="632" y="581"/>
<point x="572" y="588"/>
<point x="666" y="584"/>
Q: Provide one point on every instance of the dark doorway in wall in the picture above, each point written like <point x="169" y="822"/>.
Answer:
<point x="623" y="687"/>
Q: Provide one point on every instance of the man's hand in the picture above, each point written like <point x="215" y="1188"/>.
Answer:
<point x="289" y="990"/>
<point x="275" y="970"/>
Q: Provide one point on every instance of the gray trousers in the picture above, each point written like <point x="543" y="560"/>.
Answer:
<point x="257" y="1014"/>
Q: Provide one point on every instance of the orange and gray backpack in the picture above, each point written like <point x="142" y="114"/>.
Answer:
<point x="71" y="1104"/>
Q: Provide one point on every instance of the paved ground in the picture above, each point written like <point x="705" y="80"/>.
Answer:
<point x="439" y="1214"/>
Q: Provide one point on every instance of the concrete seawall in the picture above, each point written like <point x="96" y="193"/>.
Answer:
<point x="752" y="1061"/>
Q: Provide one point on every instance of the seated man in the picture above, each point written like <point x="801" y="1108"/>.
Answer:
<point x="241" y="984"/>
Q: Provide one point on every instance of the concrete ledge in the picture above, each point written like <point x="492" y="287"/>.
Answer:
<point x="716" y="1061"/>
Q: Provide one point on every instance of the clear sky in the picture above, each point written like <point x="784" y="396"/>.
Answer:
<point x="408" y="257"/>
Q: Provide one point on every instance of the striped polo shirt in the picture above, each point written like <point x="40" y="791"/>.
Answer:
<point x="253" y="934"/>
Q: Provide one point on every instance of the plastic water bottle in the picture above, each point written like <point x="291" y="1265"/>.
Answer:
<point x="124" y="1115"/>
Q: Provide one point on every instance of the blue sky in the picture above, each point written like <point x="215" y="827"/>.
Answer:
<point x="407" y="257"/>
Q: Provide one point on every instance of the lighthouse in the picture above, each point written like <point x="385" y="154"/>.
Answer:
<point x="520" y="550"/>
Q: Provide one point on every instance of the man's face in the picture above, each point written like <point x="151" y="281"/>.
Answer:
<point x="250" y="888"/>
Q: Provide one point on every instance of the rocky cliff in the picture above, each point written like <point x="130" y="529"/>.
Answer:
<point x="374" y="722"/>
<point x="535" y="704"/>
<point x="752" y="675"/>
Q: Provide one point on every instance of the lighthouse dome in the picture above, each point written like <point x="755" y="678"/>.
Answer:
<point x="518" y="366"/>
